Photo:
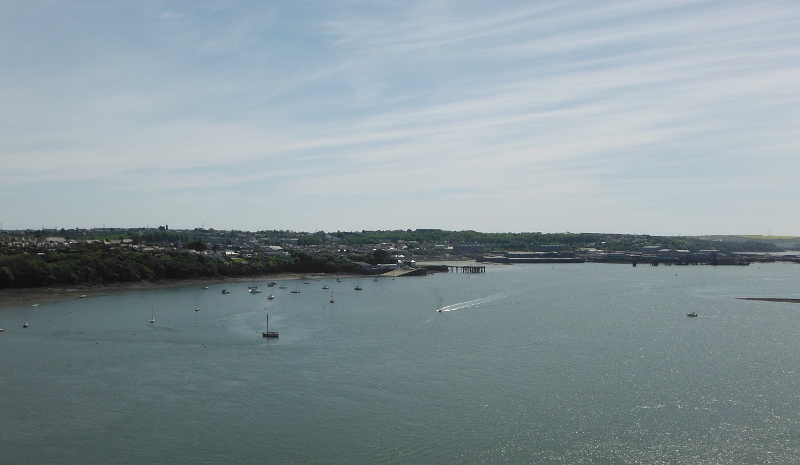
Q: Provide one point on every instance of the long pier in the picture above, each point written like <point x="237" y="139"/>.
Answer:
<point x="467" y="269"/>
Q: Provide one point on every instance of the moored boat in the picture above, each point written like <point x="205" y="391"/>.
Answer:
<point x="269" y="333"/>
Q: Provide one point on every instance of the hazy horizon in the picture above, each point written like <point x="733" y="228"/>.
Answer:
<point x="654" y="118"/>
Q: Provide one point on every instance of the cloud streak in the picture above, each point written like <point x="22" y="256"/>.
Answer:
<point x="578" y="116"/>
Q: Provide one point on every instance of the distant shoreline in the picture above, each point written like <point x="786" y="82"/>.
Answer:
<point x="11" y="297"/>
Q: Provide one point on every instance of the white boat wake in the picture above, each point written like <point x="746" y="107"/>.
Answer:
<point x="471" y="303"/>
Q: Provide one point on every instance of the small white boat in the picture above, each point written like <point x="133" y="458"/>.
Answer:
<point x="82" y="296"/>
<point x="225" y="291"/>
<point x="255" y="290"/>
<point x="271" y="296"/>
<point x="693" y="314"/>
<point x="152" y="314"/>
<point x="205" y="287"/>
<point x="25" y="325"/>
<point x="282" y="286"/>
<point x="331" y="299"/>
<point x="197" y="309"/>
<point x="35" y="305"/>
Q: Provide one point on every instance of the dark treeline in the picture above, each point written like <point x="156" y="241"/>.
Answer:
<point x="97" y="264"/>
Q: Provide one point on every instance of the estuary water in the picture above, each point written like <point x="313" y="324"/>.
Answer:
<point x="580" y="363"/>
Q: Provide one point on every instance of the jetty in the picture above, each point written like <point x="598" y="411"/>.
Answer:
<point x="771" y="299"/>
<point x="466" y="269"/>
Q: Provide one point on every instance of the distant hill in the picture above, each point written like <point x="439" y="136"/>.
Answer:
<point x="779" y="242"/>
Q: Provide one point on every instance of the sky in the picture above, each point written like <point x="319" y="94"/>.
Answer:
<point x="638" y="117"/>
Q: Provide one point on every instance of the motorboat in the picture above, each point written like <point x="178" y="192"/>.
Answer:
<point x="225" y="291"/>
<point x="693" y="314"/>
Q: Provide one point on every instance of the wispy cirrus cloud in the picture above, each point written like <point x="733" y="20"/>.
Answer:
<point x="531" y="110"/>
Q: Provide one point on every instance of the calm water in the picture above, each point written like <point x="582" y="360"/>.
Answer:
<point x="531" y="364"/>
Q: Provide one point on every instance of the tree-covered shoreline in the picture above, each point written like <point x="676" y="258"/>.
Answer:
<point x="97" y="264"/>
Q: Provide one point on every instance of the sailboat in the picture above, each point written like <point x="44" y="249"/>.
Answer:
<point x="269" y="333"/>
<point x="295" y="290"/>
<point x="282" y="286"/>
<point x="152" y="315"/>
<point x="326" y="285"/>
<point x="331" y="298"/>
<point x="358" y="286"/>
